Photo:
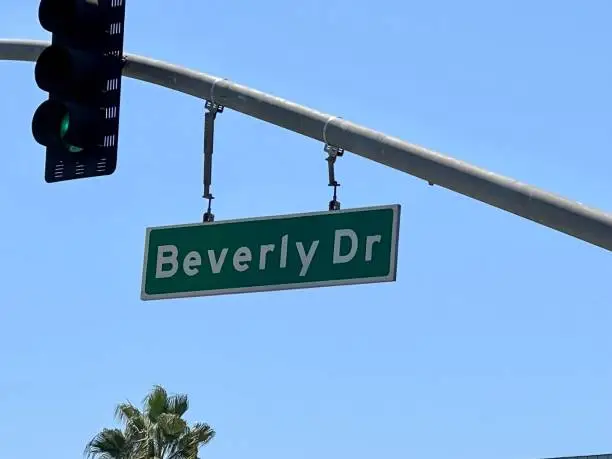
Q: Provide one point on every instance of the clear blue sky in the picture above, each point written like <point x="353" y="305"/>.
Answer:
<point x="493" y="343"/>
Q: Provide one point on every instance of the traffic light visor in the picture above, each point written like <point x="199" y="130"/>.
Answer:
<point x="54" y="69"/>
<point x="57" y="15"/>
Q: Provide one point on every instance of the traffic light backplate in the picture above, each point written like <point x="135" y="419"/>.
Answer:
<point x="81" y="71"/>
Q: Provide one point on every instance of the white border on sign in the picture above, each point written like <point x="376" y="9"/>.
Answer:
<point x="391" y="277"/>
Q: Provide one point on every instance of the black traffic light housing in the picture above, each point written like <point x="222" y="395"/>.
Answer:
<point x="81" y="71"/>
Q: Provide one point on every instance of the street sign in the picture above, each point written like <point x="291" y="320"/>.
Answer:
<point x="352" y="246"/>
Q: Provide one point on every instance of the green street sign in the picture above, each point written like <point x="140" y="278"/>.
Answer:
<point x="353" y="246"/>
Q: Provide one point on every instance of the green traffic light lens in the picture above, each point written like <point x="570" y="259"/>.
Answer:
<point x="64" y="126"/>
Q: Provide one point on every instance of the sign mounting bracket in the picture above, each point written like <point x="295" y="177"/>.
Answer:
<point x="209" y="131"/>
<point x="333" y="152"/>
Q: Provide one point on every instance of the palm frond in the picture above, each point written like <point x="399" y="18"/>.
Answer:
<point x="183" y="448"/>
<point x="156" y="402"/>
<point x="126" y="411"/>
<point x="132" y="419"/>
<point x="188" y="444"/>
<point x="178" y="404"/>
<point x="202" y="433"/>
<point x="108" y="444"/>
<point x="171" y="425"/>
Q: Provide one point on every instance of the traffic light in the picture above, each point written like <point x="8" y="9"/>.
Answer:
<point x="81" y="71"/>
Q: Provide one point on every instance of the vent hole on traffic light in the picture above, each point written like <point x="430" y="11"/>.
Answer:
<point x="58" y="170"/>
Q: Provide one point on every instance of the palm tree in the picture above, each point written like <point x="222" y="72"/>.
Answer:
<point x="156" y="432"/>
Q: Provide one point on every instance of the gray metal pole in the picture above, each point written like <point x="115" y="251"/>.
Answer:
<point x="590" y="225"/>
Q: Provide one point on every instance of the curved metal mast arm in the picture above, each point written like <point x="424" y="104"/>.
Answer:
<point x="585" y="223"/>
